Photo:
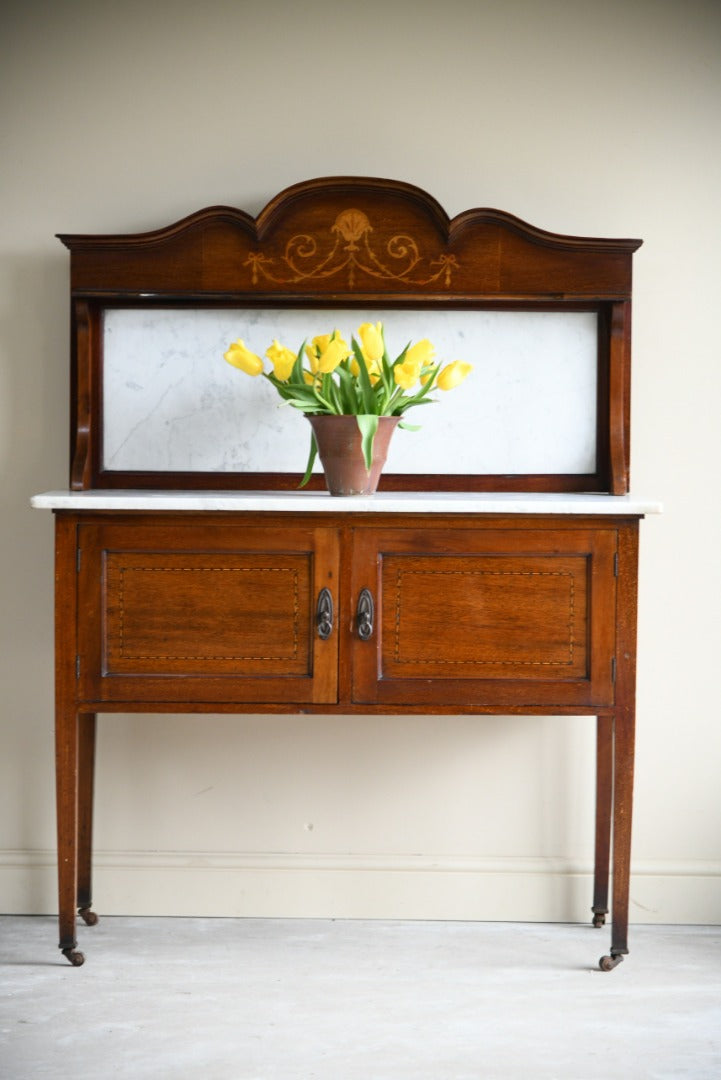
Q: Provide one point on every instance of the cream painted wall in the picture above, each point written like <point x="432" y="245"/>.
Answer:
<point x="599" y="119"/>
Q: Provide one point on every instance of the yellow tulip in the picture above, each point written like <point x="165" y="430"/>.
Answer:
<point x="320" y="343"/>
<point x="373" y="370"/>
<point x="325" y="352"/>
<point x="371" y="338"/>
<point x="407" y="374"/>
<point x="421" y="353"/>
<point x="343" y="342"/>
<point x="329" y="359"/>
<point x="453" y="374"/>
<point x="282" y="360"/>
<point x="243" y="358"/>
<point x="312" y="355"/>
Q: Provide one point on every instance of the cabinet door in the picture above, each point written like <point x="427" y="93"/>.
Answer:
<point x="487" y="617"/>
<point x="206" y="612"/>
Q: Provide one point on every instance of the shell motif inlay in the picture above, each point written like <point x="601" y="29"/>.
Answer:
<point x="349" y="249"/>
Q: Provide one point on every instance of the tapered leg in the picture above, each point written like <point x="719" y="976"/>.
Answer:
<point x="624" y="729"/>
<point x="67" y="736"/>
<point x="86" y="755"/>
<point x="623" y="808"/>
<point x="66" y="787"/>
<point x="604" y="796"/>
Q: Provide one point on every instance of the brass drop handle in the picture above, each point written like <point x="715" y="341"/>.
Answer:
<point x="324" y="614"/>
<point x="365" y="614"/>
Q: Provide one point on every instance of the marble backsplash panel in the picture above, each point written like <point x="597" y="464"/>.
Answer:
<point x="171" y="403"/>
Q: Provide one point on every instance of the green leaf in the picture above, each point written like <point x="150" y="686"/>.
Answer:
<point x="311" y="460"/>
<point x="296" y="376"/>
<point x="409" y="427"/>
<point x="370" y="405"/>
<point x="331" y="390"/>
<point x="386" y="368"/>
<point x="419" y="398"/>
<point x="287" y="390"/>
<point x="367" y="425"/>
<point x="430" y="383"/>
<point x="396" y="399"/>
<point x="306" y="406"/>
<point x="346" y="391"/>
<point x="322" y="404"/>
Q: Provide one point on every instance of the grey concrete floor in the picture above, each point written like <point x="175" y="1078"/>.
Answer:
<point x="256" y="999"/>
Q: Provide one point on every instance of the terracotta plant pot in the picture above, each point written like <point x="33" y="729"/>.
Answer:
<point x="341" y="453"/>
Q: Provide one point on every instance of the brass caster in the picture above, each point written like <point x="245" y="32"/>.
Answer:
<point x="88" y="916"/>
<point x="599" y="919"/>
<point x="77" y="959"/>
<point x="608" y="963"/>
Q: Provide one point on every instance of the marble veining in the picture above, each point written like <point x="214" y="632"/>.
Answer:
<point x="171" y="403"/>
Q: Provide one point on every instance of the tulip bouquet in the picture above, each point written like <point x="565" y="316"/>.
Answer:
<point x="330" y="377"/>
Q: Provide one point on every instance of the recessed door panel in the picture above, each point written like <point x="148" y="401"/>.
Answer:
<point x="480" y="617"/>
<point x="489" y="616"/>
<point x="206" y="613"/>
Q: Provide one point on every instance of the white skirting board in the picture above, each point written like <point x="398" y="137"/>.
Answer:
<point x="256" y="885"/>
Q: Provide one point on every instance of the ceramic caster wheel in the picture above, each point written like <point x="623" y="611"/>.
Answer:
<point x="88" y="916"/>
<point x="599" y="919"/>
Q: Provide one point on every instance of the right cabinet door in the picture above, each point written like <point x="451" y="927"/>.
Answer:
<point x="516" y="616"/>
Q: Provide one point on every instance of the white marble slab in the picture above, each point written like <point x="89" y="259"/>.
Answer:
<point x="171" y="403"/>
<point x="382" y="502"/>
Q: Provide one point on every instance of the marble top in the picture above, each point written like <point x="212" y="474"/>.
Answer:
<point x="320" y="502"/>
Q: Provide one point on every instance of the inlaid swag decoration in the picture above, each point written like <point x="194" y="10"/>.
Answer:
<point x="348" y="246"/>
<point x="358" y="380"/>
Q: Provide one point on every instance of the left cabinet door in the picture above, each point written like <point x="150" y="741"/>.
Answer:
<point x="205" y="612"/>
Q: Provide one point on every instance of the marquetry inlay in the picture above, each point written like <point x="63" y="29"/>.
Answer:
<point x="347" y="247"/>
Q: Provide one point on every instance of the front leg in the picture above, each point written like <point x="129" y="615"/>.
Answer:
<point x="66" y="787"/>
<point x="86" y="755"/>
<point x="623" y="754"/>
<point x="67" y="731"/>
<point x="623" y="768"/>
<point x="624" y="739"/>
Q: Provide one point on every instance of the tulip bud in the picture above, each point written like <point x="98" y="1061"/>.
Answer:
<point x="330" y="358"/>
<point x="282" y="359"/>
<point x="406" y="374"/>
<point x="243" y="358"/>
<point x="371" y="337"/>
<point x="421" y="353"/>
<point x="453" y="374"/>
